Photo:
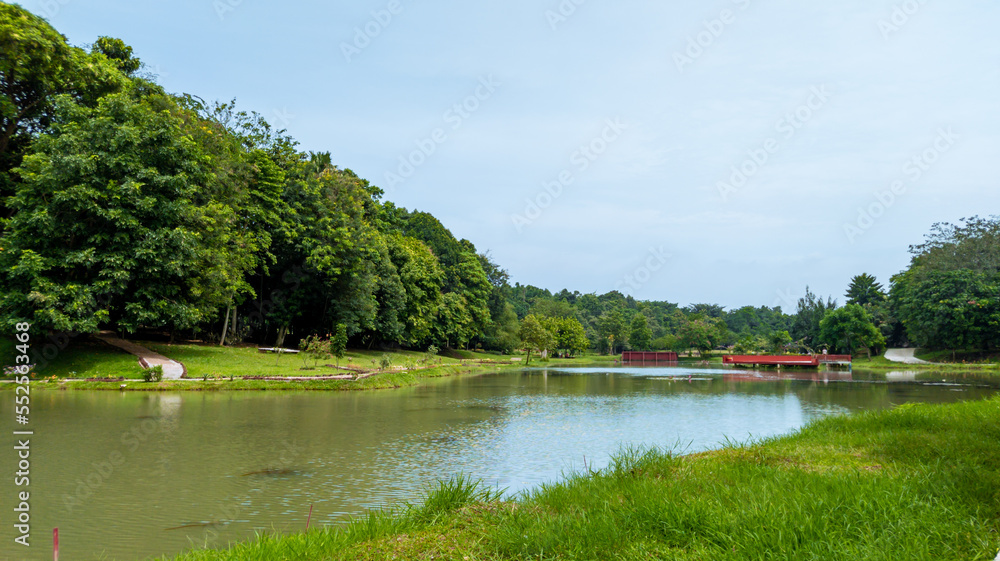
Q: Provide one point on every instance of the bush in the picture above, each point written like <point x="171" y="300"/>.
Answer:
<point x="154" y="374"/>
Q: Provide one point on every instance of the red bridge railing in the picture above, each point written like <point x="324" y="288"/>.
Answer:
<point x="649" y="356"/>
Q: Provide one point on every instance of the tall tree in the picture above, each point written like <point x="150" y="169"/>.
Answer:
<point x="974" y="244"/>
<point x="809" y="313"/>
<point x="534" y="336"/>
<point x="850" y="328"/>
<point x="948" y="297"/>
<point x="37" y="66"/>
<point x="568" y="334"/>
<point x="640" y="336"/>
<point x="422" y="278"/>
<point x="123" y="220"/>
<point x="613" y="331"/>
<point x="949" y="309"/>
<point x="865" y="290"/>
<point x="703" y="334"/>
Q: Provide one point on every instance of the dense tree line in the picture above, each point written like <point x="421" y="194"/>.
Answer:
<point x="125" y="207"/>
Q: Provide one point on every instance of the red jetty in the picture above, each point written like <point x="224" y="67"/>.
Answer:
<point x="649" y="356"/>
<point x="786" y="360"/>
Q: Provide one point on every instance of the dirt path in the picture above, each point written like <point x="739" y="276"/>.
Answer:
<point x="172" y="370"/>
<point x="903" y="355"/>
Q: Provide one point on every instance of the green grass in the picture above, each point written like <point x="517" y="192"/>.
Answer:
<point x="81" y="358"/>
<point x="880" y="363"/>
<point x="381" y="381"/>
<point x="918" y="482"/>
<point x="85" y="357"/>
<point x="216" y="361"/>
<point x="961" y="356"/>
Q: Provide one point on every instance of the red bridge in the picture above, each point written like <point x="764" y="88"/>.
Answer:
<point x="786" y="360"/>
<point x="649" y="356"/>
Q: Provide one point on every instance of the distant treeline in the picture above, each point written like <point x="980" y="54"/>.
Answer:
<point x="129" y="208"/>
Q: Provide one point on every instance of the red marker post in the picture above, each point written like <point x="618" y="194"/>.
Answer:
<point x="55" y="544"/>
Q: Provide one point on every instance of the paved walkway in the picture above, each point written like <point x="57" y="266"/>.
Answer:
<point x="903" y="355"/>
<point x="172" y="370"/>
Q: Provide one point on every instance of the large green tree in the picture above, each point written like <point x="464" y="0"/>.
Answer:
<point x="37" y="66"/>
<point x="123" y="219"/>
<point x="809" y="313"/>
<point x="948" y="297"/>
<point x="640" y="335"/>
<point x="534" y="336"/>
<point x="612" y="331"/>
<point x="421" y="278"/>
<point x="568" y="333"/>
<point x="957" y="309"/>
<point x="865" y="290"/>
<point x="703" y="333"/>
<point x="850" y="328"/>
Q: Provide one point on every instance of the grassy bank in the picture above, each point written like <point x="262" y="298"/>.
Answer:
<point x="880" y="363"/>
<point x="82" y="358"/>
<point x="380" y="381"/>
<point x="979" y="358"/>
<point x="917" y="482"/>
<point x="215" y="368"/>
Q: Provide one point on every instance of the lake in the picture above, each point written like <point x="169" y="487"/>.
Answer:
<point x="133" y="475"/>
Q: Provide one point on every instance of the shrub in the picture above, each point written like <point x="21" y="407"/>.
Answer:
<point x="154" y="374"/>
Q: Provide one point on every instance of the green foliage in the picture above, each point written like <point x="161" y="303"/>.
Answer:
<point x="949" y="309"/>
<point x="778" y="342"/>
<point x="703" y="334"/>
<point x="640" y="336"/>
<point x="757" y="321"/>
<point x="153" y="374"/>
<point x="422" y="279"/>
<point x="316" y="348"/>
<point x="567" y="333"/>
<point x="948" y="298"/>
<point x="612" y="331"/>
<point x="668" y="343"/>
<point x="865" y="290"/>
<point x="338" y="345"/>
<point x="118" y="53"/>
<point x="849" y="328"/>
<point x="750" y="344"/>
<point x="809" y="314"/>
<point x="534" y="336"/>
<point x="432" y="353"/>
<point x="974" y="245"/>
<point x="384" y="362"/>
<point x="123" y="221"/>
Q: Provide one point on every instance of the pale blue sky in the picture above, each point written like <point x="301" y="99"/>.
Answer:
<point x="839" y="97"/>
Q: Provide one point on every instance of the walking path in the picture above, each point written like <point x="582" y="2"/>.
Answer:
<point x="904" y="356"/>
<point x="172" y="370"/>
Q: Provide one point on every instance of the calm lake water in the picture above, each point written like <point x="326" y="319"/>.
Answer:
<point x="127" y="475"/>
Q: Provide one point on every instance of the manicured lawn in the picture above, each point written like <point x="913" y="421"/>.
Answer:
<point x="881" y="363"/>
<point x="918" y="483"/>
<point x="216" y="361"/>
<point x="971" y="357"/>
<point x="81" y="358"/>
